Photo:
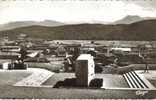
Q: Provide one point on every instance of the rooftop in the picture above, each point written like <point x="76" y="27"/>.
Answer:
<point x="84" y="57"/>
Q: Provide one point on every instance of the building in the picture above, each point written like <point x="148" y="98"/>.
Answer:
<point x="10" y="48"/>
<point x="61" y="51"/>
<point x="84" y="69"/>
<point x="9" y="55"/>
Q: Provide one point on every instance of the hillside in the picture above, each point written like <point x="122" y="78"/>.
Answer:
<point x="143" y="30"/>
<point x="18" y="24"/>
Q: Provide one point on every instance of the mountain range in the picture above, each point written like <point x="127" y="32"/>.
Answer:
<point x="12" y="25"/>
<point x="142" y="30"/>
<point x="18" y="24"/>
<point x="131" y="19"/>
<point x="128" y="20"/>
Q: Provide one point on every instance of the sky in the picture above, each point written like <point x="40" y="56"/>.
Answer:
<point x="70" y="11"/>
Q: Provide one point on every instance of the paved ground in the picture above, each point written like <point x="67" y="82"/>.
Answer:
<point x="38" y="77"/>
<point x="29" y="77"/>
<point x="52" y="81"/>
<point x="150" y="76"/>
<point x="10" y="77"/>
<point x="110" y="80"/>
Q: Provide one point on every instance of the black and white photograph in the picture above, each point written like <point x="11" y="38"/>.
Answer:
<point x="77" y="49"/>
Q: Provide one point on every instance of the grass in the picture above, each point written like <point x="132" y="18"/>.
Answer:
<point x="70" y="93"/>
<point x="54" y="67"/>
<point x="124" y="69"/>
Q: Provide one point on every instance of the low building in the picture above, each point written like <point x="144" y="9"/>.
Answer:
<point x="84" y="70"/>
<point x="9" y="55"/>
<point x="61" y="51"/>
<point x="10" y="48"/>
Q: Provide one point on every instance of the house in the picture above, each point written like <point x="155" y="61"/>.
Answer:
<point x="10" y="48"/>
<point x="9" y="55"/>
<point x="61" y="51"/>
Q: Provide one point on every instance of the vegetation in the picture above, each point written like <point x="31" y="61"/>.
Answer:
<point x="143" y="30"/>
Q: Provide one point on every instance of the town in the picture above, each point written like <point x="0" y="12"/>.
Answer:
<point x="77" y="64"/>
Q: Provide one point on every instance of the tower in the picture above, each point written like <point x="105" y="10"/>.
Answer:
<point x="84" y="70"/>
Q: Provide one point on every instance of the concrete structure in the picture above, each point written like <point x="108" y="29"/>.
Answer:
<point x="5" y="66"/>
<point x="84" y="69"/>
<point x="137" y="80"/>
<point x="121" y="49"/>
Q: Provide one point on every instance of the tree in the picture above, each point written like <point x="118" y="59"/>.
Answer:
<point x="23" y="52"/>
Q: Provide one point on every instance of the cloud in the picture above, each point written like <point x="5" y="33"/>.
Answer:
<point x="144" y="3"/>
<point x="73" y="11"/>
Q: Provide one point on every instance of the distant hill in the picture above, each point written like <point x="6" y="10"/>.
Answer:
<point x="18" y="24"/>
<point x="143" y="30"/>
<point x="128" y="20"/>
<point x="132" y="19"/>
